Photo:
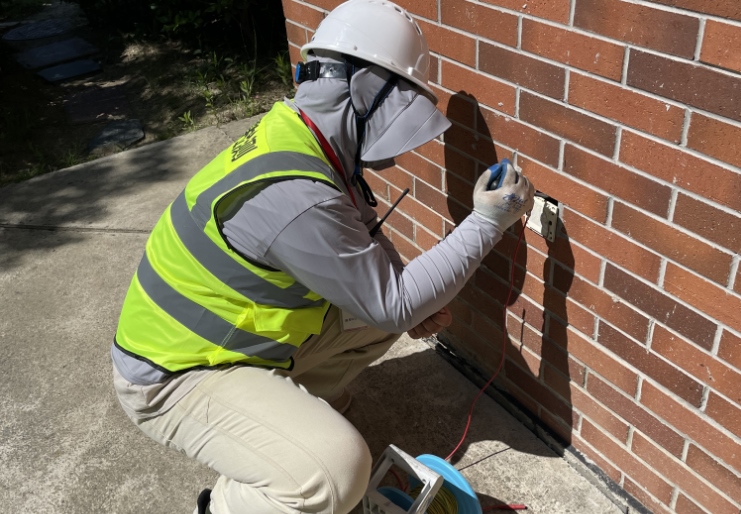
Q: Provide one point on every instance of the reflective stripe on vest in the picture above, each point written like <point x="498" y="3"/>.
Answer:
<point x="194" y="301"/>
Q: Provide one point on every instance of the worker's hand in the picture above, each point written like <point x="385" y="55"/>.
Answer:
<point x="504" y="206"/>
<point x="432" y="325"/>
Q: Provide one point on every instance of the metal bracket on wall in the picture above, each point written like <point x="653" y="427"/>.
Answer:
<point x="543" y="219"/>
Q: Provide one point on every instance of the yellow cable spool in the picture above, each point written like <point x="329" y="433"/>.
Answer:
<point x="443" y="503"/>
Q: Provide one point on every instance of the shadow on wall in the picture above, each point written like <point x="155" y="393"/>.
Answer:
<point x="537" y="372"/>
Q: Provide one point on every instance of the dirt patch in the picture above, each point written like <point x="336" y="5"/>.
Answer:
<point x="170" y="89"/>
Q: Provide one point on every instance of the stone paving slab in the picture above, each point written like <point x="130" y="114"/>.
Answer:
<point x="100" y="103"/>
<point x="70" y="70"/>
<point x="55" y="53"/>
<point x="39" y="29"/>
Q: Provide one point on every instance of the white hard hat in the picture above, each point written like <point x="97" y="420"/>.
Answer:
<point x="379" y="32"/>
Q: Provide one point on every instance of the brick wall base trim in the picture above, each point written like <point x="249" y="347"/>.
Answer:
<point x="590" y="471"/>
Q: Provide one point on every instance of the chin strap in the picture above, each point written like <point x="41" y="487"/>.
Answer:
<point x="360" y="124"/>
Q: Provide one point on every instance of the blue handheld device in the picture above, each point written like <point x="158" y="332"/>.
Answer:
<point x="498" y="171"/>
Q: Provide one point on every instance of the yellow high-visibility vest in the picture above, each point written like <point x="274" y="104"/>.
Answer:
<point x="194" y="300"/>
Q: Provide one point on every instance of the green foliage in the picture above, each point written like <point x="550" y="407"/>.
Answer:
<point x="188" y="121"/>
<point x="18" y="9"/>
<point x="225" y="25"/>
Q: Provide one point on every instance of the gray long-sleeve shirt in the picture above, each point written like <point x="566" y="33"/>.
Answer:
<point x="316" y="235"/>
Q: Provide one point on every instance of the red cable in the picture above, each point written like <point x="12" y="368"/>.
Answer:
<point x="499" y="368"/>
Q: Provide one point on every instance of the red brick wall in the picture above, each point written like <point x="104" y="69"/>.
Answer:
<point x="625" y="333"/>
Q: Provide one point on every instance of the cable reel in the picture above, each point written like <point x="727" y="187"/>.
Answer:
<point x="436" y="487"/>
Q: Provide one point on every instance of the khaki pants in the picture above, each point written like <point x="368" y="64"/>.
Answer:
<point x="278" y="447"/>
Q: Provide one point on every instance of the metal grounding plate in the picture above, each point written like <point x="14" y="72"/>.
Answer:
<point x="55" y="53"/>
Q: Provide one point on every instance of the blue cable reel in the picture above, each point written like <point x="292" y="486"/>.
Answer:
<point x="437" y="487"/>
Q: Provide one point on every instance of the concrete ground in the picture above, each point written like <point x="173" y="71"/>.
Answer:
<point x="69" y="244"/>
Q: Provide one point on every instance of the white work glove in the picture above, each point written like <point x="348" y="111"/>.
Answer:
<point x="505" y="205"/>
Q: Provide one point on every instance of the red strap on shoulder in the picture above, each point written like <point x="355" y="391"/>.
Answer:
<point x="329" y="152"/>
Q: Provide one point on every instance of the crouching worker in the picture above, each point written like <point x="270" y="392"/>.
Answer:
<point x="231" y="346"/>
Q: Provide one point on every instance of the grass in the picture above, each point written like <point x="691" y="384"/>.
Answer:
<point x="170" y="89"/>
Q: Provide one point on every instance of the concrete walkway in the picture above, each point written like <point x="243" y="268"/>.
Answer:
<point x="69" y="244"/>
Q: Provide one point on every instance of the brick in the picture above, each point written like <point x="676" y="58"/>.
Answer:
<point x="610" y="308"/>
<point x="713" y="471"/>
<point x="686" y="506"/>
<point x="433" y="198"/>
<point x="670" y="242"/>
<point x="709" y="222"/>
<point x="705" y="367"/>
<point x="730" y="349"/>
<point x="523" y="357"/>
<point x="559" y="186"/>
<point x="405" y="247"/>
<point x="603" y="464"/>
<point x="559" y="426"/>
<point x="723" y="9"/>
<point x="555" y="10"/>
<point x="486" y="90"/>
<point x="627" y="106"/>
<point x="398" y="177"/>
<point x="327" y="5"/>
<point x="726" y="413"/>
<point x="461" y="165"/>
<point x="397" y="220"/>
<point x="525" y="401"/>
<point x="718" y="44"/>
<point x="681" y="475"/>
<point x="575" y="260"/>
<point x="704" y="295"/>
<point x="617" y="454"/>
<point x="596" y="413"/>
<point x="434" y="69"/>
<point x="528" y="72"/>
<point x="302" y="14"/>
<point x="613" y="245"/>
<point x="593" y="357"/>
<point x="640" y="25"/>
<point x="618" y="181"/>
<point x="424" y="239"/>
<point x="635" y="415"/>
<point x="481" y="20"/>
<point x="650" y="365"/>
<point x="458" y="107"/>
<point x="569" y="123"/>
<point x="423" y="8"/>
<point x="471" y="144"/>
<point x="642" y="495"/>
<point x="677" y="167"/>
<point x="421" y="168"/>
<point x="448" y="43"/>
<point x="561" y="382"/>
<point x="579" y="50"/>
<point x="658" y="305"/>
<point x="294" y="53"/>
<point x="296" y="34"/>
<point x="686" y="83"/>
<point x="689" y="422"/>
<point x="434" y="151"/>
<point x="544" y="396"/>
<point x="521" y="138"/>
<point x="715" y="138"/>
<point x="420" y="213"/>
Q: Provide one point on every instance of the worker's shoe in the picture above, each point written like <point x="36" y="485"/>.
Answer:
<point x="203" y="502"/>
<point x="341" y="402"/>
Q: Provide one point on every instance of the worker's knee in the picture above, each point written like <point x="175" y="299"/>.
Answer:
<point x="347" y="472"/>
